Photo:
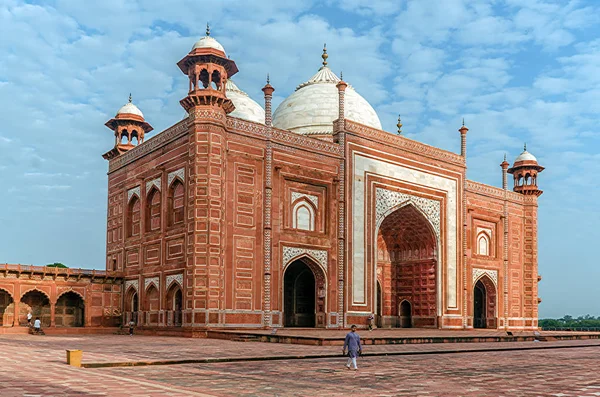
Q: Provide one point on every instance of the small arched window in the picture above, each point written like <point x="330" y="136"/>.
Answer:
<point x="176" y="203"/>
<point x="483" y="244"/>
<point x="153" y="210"/>
<point x="133" y="217"/>
<point x="303" y="216"/>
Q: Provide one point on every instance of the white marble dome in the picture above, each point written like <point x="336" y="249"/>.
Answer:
<point x="245" y="107"/>
<point x="208" y="42"/>
<point x="525" y="156"/>
<point x="130" y="108"/>
<point x="313" y="107"/>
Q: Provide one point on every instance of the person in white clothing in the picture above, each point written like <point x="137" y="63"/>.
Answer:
<point x="29" y="316"/>
<point x="37" y="325"/>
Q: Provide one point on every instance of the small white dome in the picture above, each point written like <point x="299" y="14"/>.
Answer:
<point x="525" y="156"/>
<point x="313" y="107"/>
<point x="131" y="109"/>
<point x="208" y="42"/>
<point x="245" y="107"/>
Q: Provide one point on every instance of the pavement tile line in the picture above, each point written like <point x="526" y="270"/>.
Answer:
<point x="319" y="356"/>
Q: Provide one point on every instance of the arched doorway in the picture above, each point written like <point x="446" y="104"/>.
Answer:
<point x="7" y="309"/>
<point x="39" y="304"/>
<point x="151" y="305"/>
<point x="174" y="303"/>
<point x="131" y="306"/>
<point x="484" y="304"/>
<point x="407" y="265"/>
<point x="405" y="314"/>
<point x="69" y="310"/>
<point x="299" y="295"/>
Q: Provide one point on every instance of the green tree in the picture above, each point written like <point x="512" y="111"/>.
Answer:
<point x="57" y="264"/>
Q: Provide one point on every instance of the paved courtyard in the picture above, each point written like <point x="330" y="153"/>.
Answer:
<point x="35" y="366"/>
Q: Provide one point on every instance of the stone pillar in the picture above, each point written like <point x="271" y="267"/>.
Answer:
<point x="341" y="86"/>
<point x="463" y="152"/>
<point x="52" y="314"/>
<point x="16" y="316"/>
<point x="268" y="194"/>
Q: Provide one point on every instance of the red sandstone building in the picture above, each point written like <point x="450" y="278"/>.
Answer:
<point x="311" y="216"/>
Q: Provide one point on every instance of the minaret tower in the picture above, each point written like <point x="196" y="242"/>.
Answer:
<point x="129" y="127"/>
<point x="208" y="70"/>
<point x="525" y="171"/>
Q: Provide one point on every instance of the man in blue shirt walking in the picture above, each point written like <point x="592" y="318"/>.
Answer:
<point x="352" y="343"/>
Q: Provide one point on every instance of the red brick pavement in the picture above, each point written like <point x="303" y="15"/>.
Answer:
<point x="35" y="366"/>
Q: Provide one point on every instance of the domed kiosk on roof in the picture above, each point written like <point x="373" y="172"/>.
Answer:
<point x="525" y="171"/>
<point x="129" y="127"/>
<point x="313" y="107"/>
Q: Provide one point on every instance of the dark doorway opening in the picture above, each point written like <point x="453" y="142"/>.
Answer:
<point x="174" y="302"/>
<point x="405" y="315"/>
<point x="479" y="300"/>
<point x="299" y="295"/>
<point x="379" y="304"/>
<point x="69" y="310"/>
<point x="7" y="309"/>
<point x="39" y="304"/>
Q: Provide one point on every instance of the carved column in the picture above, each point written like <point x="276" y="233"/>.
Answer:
<point x="341" y="86"/>
<point x="268" y="244"/>
<point x="505" y="280"/>
<point x="16" y="306"/>
<point x="463" y="151"/>
<point x="52" y="314"/>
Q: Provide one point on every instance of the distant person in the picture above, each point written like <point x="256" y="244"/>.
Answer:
<point x="37" y="325"/>
<point x="29" y="316"/>
<point x="131" y="325"/>
<point x="370" y="321"/>
<point x="352" y="343"/>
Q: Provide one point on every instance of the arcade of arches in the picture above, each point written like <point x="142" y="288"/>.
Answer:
<point x="148" y="313"/>
<point x="67" y="312"/>
<point x="406" y="270"/>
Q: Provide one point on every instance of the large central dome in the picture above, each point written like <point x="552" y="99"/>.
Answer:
<point x="313" y="107"/>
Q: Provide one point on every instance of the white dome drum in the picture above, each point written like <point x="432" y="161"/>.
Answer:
<point x="245" y="107"/>
<point x="313" y="107"/>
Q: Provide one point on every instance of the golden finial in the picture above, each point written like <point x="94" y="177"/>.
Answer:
<point x="525" y="146"/>
<point x="341" y="75"/>
<point x="207" y="29"/>
<point x="504" y="156"/>
<point x="268" y="79"/>
<point x="325" y="56"/>
<point x="130" y="97"/>
<point x="463" y="121"/>
<point x="399" y="125"/>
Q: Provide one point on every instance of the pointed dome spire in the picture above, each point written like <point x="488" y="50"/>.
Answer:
<point x="130" y="108"/>
<point x="399" y="125"/>
<point x="208" y="42"/>
<point x="325" y="56"/>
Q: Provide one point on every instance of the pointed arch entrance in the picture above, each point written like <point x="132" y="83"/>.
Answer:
<point x="407" y="267"/>
<point x="303" y="294"/>
<point x="38" y="303"/>
<point x="69" y="310"/>
<point x="174" y="303"/>
<point x="484" y="303"/>
<point x="131" y="305"/>
<point x="7" y="309"/>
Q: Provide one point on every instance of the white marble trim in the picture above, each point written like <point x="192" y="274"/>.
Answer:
<point x="134" y="283"/>
<point x="292" y="253"/>
<point x="152" y="280"/>
<point x="180" y="173"/>
<point x="132" y="191"/>
<point x="479" y="273"/>
<point x="154" y="182"/>
<point x="174" y="278"/>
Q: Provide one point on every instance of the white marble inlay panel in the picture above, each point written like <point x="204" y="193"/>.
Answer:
<point x="312" y="198"/>
<point x="386" y="200"/>
<point x="178" y="173"/>
<point x="154" y="182"/>
<point x="135" y="283"/>
<point x="152" y="280"/>
<point x="171" y="278"/>
<point x="131" y="192"/>
<point x="364" y="165"/>
<point x="492" y="274"/>
<point x="290" y="253"/>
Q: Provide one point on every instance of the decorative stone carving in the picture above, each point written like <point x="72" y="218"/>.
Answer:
<point x="180" y="173"/>
<point x="312" y="198"/>
<point x="152" y="280"/>
<point x="154" y="182"/>
<point x="493" y="191"/>
<point x="290" y="253"/>
<point x="171" y="278"/>
<point x="131" y="192"/>
<point x="134" y="283"/>
<point x="385" y="200"/>
<point x="492" y="274"/>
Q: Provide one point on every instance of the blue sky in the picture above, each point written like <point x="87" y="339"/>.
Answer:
<point x="517" y="71"/>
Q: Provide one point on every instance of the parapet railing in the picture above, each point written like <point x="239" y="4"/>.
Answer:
<point x="57" y="271"/>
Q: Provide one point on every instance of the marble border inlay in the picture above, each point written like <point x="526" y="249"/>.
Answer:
<point x="132" y="191"/>
<point x="154" y="182"/>
<point x="135" y="283"/>
<point x="312" y="198"/>
<point x="492" y="274"/>
<point x="152" y="280"/>
<point x="290" y="253"/>
<point x="387" y="200"/>
<point x="180" y="173"/>
<point x="171" y="278"/>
